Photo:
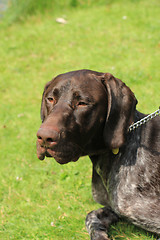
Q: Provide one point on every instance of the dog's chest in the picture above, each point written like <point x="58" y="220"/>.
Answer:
<point x="103" y="168"/>
<point x="119" y="182"/>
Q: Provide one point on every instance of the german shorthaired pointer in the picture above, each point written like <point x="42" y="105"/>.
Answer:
<point x="89" y="113"/>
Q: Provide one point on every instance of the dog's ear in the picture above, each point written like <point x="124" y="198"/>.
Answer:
<point x="43" y="105"/>
<point x="121" y="109"/>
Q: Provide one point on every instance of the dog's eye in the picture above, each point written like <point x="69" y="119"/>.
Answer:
<point x="82" y="104"/>
<point x="51" y="100"/>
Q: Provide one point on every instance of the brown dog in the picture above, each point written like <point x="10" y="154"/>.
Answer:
<point x="89" y="113"/>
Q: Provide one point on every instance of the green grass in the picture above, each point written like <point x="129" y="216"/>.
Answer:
<point x="19" y="10"/>
<point x="34" y="194"/>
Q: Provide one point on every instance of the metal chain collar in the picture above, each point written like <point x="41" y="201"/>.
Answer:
<point x="144" y="120"/>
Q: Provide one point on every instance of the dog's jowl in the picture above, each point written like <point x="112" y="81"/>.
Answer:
<point x="89" y="113"/>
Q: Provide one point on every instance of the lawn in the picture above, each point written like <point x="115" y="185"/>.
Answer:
<point x="44" y="200"/>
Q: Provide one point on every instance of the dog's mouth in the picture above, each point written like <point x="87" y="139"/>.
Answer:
<point x="63" y="153"/>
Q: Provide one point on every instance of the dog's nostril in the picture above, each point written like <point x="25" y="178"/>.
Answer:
<point x="49" y="140"/>
<point x="47" y="136"/>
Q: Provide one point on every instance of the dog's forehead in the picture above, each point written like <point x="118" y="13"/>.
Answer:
<point x="82" y="81"/>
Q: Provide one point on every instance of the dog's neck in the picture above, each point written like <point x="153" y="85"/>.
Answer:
<point x="98" y="147"/>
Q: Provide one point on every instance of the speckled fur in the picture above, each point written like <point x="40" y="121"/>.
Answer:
<point x="129" y="183"/>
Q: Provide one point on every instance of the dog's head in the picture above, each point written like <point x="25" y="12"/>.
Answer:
<point x="82" y="113"/>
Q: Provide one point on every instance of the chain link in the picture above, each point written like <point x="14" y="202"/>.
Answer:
<point x="144" y="120"/>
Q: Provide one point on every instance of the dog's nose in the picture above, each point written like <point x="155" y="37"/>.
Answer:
<point x="47" y="137"/>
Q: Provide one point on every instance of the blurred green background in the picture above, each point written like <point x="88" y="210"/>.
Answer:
<point x="43" y="200"/>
